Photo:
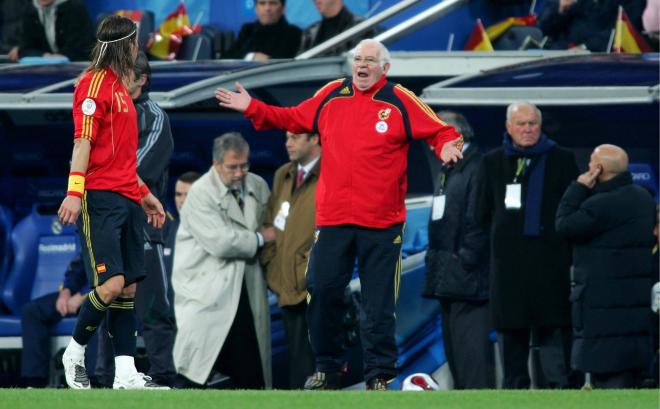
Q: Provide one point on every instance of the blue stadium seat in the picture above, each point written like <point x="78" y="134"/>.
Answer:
<point x="42" y="249"/>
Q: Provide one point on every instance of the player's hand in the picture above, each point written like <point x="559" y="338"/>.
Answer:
<point x="61" y="302"/>
<point x="451" y="151"/>
<point x="238" y="101"/>
<point x="154" y="210"/>
<point x="69" y="210"/>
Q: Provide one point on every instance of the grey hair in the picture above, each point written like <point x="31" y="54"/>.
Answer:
<point x="516" y="105"/>
<point x="459" y="122"/>
<point x="231" y="141"/>
<point x="384" y="53"/>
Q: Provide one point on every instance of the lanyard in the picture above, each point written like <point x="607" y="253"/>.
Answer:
<point x="520" y="167"/>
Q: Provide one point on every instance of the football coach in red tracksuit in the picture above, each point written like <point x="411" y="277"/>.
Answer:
<point x="365" y="124"/>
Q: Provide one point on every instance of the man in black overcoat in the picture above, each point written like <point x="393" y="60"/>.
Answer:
<point x="521" y="184"/>
<point x="610" y="222"/>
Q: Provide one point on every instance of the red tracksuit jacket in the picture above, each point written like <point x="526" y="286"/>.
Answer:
<point x="365" y="137"/>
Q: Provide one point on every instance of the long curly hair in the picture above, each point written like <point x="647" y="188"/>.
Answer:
<point x="110" y="53"/>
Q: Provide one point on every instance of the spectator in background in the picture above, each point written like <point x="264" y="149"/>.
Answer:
<point x="56" y="28"/>
<point x="335" y="18"/>
<point x="457" y="267"/>
<point x="40" y="314"/>
<point x="11" y="23"/>
<point x="586" y="24"/>
<point x="181" y="188"/>
<point x="221" y="303"/>
<point x="610" y="222"/>
<point x="292" y="214"/>
<point x="521" y="184"/>
<point x="271" y="36"/>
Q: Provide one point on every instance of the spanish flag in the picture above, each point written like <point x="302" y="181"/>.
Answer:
<point x="497" y="29"/>
<point x="626" y="38"/>
<point x="165" y="43"/>
<point x="135" y="15"/>
<point x="479" y="40"/>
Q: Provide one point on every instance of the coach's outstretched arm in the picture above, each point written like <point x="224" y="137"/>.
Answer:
<point x="238" y="101"/>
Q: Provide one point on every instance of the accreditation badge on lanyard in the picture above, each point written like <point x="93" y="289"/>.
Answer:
<point x="513" y="194"/>
<point x="438" y="207"/>
<point x="280" y="218"/>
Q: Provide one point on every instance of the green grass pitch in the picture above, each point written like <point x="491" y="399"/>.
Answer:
<point x="193" y="399"/>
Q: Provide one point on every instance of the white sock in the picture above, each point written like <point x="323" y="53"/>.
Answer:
<point x="125" y="366"/>
<point x="75" y="350"/>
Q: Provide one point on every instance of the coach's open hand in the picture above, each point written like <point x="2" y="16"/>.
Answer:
<point x="238" y="101"/>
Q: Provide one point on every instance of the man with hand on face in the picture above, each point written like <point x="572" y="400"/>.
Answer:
<point x="271" y="36"/>
<point x="220" y="298"/>
<point x="292" y="216"/>
<point x="610" y="222"/>
<point x="365" y="124"/>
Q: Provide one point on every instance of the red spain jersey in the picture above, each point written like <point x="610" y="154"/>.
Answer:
<point x="103" y="113"/>
<point x="365" y="137"/>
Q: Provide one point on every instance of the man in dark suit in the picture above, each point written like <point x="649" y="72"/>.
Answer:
<point x="457" y="267"/>
<point x="271" y="36"/>
<point x="56" y="28"/>
<point x="610" y="222"/>
<point x="521" y="184"/>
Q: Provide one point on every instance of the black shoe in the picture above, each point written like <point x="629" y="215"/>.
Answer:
<point x="323" y="381"/>
<point x="377" y="384"/>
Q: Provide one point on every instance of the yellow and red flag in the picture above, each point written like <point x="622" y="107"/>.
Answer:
<point x="626" y="38"/>
<point x="497" y="29"/>
<point x="135" y="15"/>
<point x="165" y="43"/>
<point x="479" y="40"/>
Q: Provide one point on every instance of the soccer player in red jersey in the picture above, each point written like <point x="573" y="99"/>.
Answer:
<point x="105" y="191"/>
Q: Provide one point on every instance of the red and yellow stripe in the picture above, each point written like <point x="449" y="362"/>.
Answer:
<point x="420" y="104"/>
<point x="337" y="81"/>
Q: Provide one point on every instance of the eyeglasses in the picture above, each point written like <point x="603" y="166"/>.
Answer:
<point x="369" y="61"/>
<point x="234" y="167"/>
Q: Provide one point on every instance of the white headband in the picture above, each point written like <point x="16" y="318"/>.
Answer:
<point x="104" y="45"/>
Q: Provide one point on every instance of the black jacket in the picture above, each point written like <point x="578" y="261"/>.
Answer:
<point x="279" y="40"/>
<point x="329" y="27"/>
<point x="529" y="280"/>
<point x="155" y="146"/>
<point x="588" y="22"/>
<point x="457" y="258"/>
<point x="74" y="33"/>
<point x="612" y="233"/>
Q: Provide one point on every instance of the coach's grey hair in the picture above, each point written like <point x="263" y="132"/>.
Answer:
<point x="516" y="105"/>
<point x="459" y="122"/>
<point x="384" y="52"/>
<point x="231" y="141"/>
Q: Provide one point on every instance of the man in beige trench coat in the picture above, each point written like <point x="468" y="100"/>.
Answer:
<point x="220" y="301"/>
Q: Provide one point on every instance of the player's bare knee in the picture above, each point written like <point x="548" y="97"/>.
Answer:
<point x="111" y="289"/>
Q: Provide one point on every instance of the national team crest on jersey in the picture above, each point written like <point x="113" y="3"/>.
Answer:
<point x="100" y="268"/>
<point x="384" y="114"/>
